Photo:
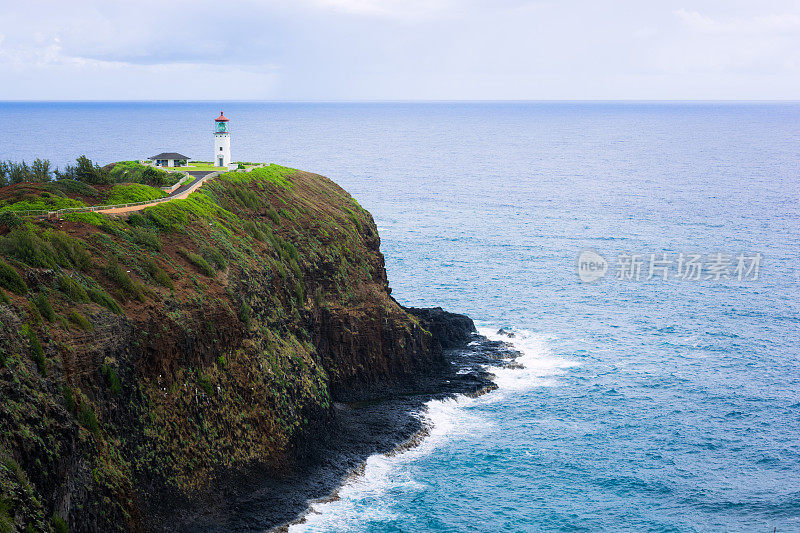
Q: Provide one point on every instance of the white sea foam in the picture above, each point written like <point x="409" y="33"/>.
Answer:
<point x="539" y="364"/>
<point x="366" y="495"/>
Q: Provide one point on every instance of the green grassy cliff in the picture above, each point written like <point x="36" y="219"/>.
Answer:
<point x="145" y="357"/>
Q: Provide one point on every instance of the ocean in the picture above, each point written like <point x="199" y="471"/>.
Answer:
<point x="662" y="394"/>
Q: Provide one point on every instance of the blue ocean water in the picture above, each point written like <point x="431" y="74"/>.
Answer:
<point x="650" y="405"/>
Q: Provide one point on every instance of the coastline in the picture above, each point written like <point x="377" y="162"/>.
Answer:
<point x="325" y="459"/>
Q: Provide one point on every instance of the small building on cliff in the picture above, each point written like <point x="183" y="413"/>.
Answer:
<point x="169" y="159"/>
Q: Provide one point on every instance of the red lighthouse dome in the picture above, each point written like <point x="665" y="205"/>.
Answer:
<point x="221" y="118"/>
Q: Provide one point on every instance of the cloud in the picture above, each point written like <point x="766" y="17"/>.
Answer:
<point x="394" y="49"/>
<point x="784" y="23"/>
<point x="403" y="9"/>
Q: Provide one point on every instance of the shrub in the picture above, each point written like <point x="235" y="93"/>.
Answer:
<point x="137" y="219"/>
<point x="158" y="274"/>
<point x="11" y="280"/>
<point x="33" y="313"/>
<point x="134" y="192"/>
<point x="245" y="312"/>
<point x="80" y="320"/>
<point x="4" y="297"/>
<point x="36" y="350"/>
<point x="221" y="362"/>
<point x="216" y="258"/>
<point x="7" y="524"/>
<point x="69" y="251"/>
<point x="72" y="289"/>
<point x="118" y="275"/>
<point x="112" y="379"/>
<point x="102" y="298"/>
<point x="252" y="228"/>
<point x="273" y="215"/>
<point x="135" y="172"/>
<point x="10" y="219"/>
<point x="88" y="418"/>
<point x="45" y="309"/>
<point x="59" y="524"/>
<point x="146" y="237"/>
<point x="28" y="247"/>
<point x="69" y="398"/>
<point x="95" y="219"/>
<point x="198" y="261"/>
<point x="73" y="186"/>
<point x="205" y="384"/>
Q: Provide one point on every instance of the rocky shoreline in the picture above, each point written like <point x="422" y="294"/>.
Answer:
<point x="373" y="424"/>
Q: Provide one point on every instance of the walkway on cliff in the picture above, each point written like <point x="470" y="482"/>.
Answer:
<point x="180" y="193"/>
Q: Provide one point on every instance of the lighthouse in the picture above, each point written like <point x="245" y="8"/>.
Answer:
<point x="222" y="141"/>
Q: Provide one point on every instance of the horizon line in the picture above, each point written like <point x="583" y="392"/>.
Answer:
<point x="413" y="101"/>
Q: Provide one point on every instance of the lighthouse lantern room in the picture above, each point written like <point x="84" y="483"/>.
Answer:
<point x="222" y="142"/>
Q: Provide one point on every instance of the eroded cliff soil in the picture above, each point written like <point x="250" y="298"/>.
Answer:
<point x="145" y="359"/>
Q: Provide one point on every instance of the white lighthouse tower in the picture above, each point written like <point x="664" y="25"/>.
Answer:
<point x="222" y="142"/>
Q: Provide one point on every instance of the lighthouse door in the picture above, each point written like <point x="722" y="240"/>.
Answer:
<point x="220" y="161"/>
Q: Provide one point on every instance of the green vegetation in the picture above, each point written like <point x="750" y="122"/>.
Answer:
<point x="102" y="298"/>
<point x="11" y="280"/>
<point x="69" y="251"/>
<point x="79" y="320"/>
<point x="128" y="288"/>
<point x="95" y="219"/>
<point x="273" y="174"/>
<point x="34" y="317"/>
<point x="45" y="309"/>
<point x="176" y="214"/>
<point x="70" y="186"/>
<point x="214" y="367"/>
<point x="88" y="418"/>
<point x="86" y="172"/>
<point x="59" y="524"/>
<point x="201" y="166"/>
<point x="69" y="398"/>
<point x="132" y="193"/>
<point x="112" y="379"/>
<point x="10" y="219"/>
<point x="37" y="353"/>
<point x="135" y="172"/>
<point x="147" y="238"/>
<point x="72" y="289"/>
<point x="158" y="274"/>
<point x="198" y="261"/>
<point x="43" y="203"/>
<point x="12" y="173"/>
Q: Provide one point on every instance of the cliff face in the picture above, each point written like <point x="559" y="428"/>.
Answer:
<point x="143" y="358"/>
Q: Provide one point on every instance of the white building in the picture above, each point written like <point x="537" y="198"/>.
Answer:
<point x="222" y="142"/>
<point x="169" y="159"/>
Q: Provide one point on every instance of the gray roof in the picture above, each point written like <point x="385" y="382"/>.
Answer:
<point x="168" y="155"/>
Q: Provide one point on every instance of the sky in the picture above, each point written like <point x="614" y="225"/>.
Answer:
<point x="332" y="50"/>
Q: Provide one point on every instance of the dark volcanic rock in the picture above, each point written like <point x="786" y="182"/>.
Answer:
<point x="451" y="330"/>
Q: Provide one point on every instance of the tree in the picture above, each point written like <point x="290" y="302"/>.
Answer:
<point x="4" y="170"/>
<point x="67" y="174"/>
<point x="88" y="172"/>
<point x="18" y="172"/>
<point x="40" y="170"/>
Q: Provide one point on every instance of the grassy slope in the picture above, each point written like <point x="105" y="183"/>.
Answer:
<point x="174" y="344"/>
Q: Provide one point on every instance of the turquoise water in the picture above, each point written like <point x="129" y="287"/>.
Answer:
<point x="651" y="405"/>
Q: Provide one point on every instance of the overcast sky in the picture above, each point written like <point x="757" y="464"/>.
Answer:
<point x="399" y="49"/>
